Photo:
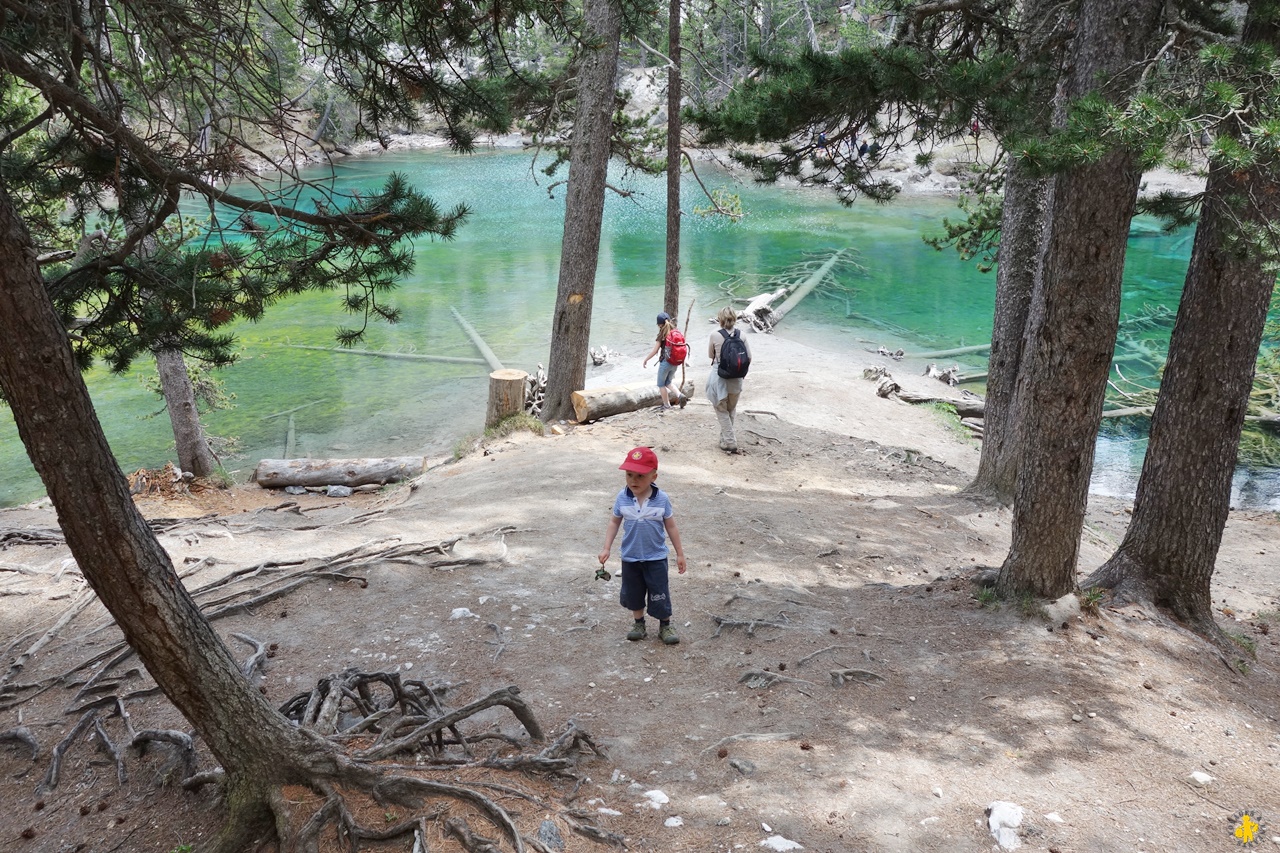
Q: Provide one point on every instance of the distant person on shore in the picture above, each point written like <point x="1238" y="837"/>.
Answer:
<point x="730" y="358"/>
<point x="667" y="360"/>
<point x="644" y="513"/>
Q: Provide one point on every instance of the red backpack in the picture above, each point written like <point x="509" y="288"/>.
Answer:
<point x="677" y="349"/>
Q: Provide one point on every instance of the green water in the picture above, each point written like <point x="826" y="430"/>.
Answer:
<point x="500" y="274"/>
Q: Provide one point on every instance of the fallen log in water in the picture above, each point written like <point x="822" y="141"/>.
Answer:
<point x="403" y="356"/>
<point x="595" y="403"/>
<point x="478" y="341"/>
<point x="950" y="353"/>
<point x="278" y="473"/>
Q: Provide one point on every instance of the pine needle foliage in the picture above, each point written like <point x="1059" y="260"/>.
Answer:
<point x="162" y="102"/>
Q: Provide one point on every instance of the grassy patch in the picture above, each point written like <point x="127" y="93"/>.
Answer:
<point x="1245" y="642"/>
<point x="1029" y="606"/>
<point x="987" y="597"/>
<point x="947" y="414"/>
<point x="1091" y="600"/>
<point x="520" y="422"/>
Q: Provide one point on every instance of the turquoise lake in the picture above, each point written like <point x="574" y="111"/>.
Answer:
<point x="500" y="274"/>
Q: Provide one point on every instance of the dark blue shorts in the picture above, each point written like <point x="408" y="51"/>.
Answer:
<point x="645" y="581"/>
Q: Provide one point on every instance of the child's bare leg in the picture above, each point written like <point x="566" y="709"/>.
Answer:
<point x="638" y="614"/>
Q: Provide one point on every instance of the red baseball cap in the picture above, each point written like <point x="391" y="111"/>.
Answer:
<point x="641" y="460"/>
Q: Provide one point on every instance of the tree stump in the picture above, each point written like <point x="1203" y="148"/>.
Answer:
<point x="506" y="395"/>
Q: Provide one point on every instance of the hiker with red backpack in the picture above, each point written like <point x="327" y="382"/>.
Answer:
<point x="671" y="349"/>
<point x="730" y="360"/>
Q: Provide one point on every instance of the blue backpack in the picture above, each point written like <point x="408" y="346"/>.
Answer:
<point x="735" y="361"/>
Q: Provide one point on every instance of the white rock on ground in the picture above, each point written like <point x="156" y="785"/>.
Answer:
<point x="1200" y="779"/>
<point x="1003" y="819"/>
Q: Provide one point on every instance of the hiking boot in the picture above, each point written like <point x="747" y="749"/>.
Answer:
<point x="668" y="635"/>
<point x="637" y="632"/>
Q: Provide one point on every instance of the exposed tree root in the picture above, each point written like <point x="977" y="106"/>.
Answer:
<point x="361" y="802"/>
<point x="21" y="734"/>
<point x="863" y="676"/>
<point x="750" y="624"/>
<point x="341" y="788"/>
<point x="759" y="678"/>
<point x="253" y="586"/>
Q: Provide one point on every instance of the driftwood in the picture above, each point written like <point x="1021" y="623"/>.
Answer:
<point x="950" y="375"/>
<point x="277" y="473"/>
<point x="594" y="403"/>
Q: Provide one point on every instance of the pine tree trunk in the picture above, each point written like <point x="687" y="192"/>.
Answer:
<point x="1075" y="314"/>
<point x="1169" y="551"/>
<point x="116" y="550"/>
<point x="671" y="288"/>
<point x="1022" y="227"/>
<point x="189" y="439"/>
<point x="583" y="208"/>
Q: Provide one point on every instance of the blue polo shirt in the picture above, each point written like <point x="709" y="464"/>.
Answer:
<point x="644" y="536"/>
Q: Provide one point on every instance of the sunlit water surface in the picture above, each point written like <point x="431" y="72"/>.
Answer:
<point x="500" y="274"/>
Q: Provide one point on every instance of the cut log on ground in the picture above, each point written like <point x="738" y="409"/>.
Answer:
<point x="277" y="473"/>
<point x="595" y="403"/>
<point x="507" y="390"/>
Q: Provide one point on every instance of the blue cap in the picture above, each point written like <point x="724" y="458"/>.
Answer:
<point x="663" y="317"/>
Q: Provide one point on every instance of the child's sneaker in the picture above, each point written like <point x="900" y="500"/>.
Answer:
<point x="668" y="635"/>
<point x="637" y="632"/>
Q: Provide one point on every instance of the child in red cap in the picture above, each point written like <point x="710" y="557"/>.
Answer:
<point x="649" y="519"/>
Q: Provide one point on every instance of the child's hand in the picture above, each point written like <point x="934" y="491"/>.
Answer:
<point x="603" y="558"/>
<point x="681" y="565"/>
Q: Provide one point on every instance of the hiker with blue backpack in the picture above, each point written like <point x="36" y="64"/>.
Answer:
<point x="671" y="350"/>
<point x="730" y="360"/>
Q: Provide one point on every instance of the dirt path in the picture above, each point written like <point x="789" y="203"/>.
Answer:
<point x="836" y="543"/>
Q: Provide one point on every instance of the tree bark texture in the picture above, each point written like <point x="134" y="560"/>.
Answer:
<point x="1170" y="548"/>
<point x="119" y="555"/>
<point x="1075" y="313"/>
<point x="583" y="208"/>
<point x="1022" y="226"/>
<point x="1023" y="220"/>
<point x="189" y="438"/>
<point x="671" y="287"/>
